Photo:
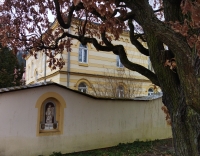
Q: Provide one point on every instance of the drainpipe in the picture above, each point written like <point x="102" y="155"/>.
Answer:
<point x="68" y="64"/>
<point x="45" y="59"/>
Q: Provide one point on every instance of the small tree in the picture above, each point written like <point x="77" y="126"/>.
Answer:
<point x="117" y="84"/>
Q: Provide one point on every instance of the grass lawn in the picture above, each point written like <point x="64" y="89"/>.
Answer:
<point x="137" y="148"/>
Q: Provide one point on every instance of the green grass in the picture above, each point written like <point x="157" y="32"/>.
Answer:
<point x="130" y="149"/>
<point x="120" y="150"/>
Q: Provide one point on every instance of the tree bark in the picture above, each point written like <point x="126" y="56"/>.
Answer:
<point x="180" y="88"/>
<point x="185" y="126"/>
<point x="185" y="120"/>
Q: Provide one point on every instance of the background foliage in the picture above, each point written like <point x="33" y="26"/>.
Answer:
<point x="8" y="63"/>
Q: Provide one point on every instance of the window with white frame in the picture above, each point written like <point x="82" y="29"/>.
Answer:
<point x="83" y="53"/>
<point x="120" y="91"/>
<point x="82" y="87"/>
<point x="150" y="91"/>
<point x="119" y="64"/>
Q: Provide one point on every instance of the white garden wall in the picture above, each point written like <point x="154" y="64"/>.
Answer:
<point x="88" y="123"/>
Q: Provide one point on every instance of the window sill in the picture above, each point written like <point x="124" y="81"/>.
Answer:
<point x="49" y="132"/>
<point x="83" y="64"/>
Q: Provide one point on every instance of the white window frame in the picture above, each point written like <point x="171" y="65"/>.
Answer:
<point x="150" y="91"/>
<point x="119" y="64"/>
<point x="120" y="91"/>
<point x="82" y="52"/>
<point x="82" y="88"/>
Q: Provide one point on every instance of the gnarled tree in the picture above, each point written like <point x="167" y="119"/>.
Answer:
<point x="164" y="23"/>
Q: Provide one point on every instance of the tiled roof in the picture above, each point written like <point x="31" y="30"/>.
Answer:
<point x="150" y="97"/>
<point x="8" y="89"/>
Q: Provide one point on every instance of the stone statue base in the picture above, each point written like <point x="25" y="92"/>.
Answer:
<point x="48" y="126"/>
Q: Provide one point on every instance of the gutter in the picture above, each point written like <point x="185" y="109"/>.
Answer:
<point x="68" y="64"/>
<point x="45" y="59"/>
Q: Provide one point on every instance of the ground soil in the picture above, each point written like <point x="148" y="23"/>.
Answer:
<point x="161" y="148"/>
<point x="138" y="148"/>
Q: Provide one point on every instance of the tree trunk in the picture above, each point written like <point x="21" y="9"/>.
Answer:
<point x="185" y="121"/>
<point x="185" y="127"/>
<point x="180" y="86"/>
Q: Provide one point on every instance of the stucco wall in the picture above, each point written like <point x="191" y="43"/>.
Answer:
<point x="88" y="123"/>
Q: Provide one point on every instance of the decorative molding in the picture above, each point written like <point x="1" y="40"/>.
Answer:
<point x="83" y="80"/>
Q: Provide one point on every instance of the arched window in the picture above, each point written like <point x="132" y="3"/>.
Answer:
<point x="120" y="91"/>
<point x="83" y="53"/>
<point x="150" y="91"/>
<point x="49" y="121"/>
<point x="82" y="87"/>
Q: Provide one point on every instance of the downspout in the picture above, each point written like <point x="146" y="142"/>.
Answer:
<point x="45" y="59"/>
<point x="68" y="63"/>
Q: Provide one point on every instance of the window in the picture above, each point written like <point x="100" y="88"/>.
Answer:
<point x="150" y="91"/>
<point x="83" y="52"/>
<point x="120" y="91"/>
<point x="49" y="121"/>
<point x="82" y="87"/>
<point x="119" y="64"/>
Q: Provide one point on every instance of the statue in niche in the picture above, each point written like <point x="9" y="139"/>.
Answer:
<point x="49" y="114"/>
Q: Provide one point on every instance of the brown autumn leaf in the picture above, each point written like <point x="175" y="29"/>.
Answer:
<point x="167" y="63"/>
<point x="76" y="2"/>
<point x="168" y="119"/>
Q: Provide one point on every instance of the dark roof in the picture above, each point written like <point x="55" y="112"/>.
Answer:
<point x="16" y="88"/>
<point x="42" y="84"/>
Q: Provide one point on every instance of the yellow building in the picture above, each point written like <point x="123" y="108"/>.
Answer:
<point x="86" y="69"/>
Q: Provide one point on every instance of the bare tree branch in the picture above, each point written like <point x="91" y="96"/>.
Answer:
<point x="134" y="40"/>
<point x="158" y="10"/>
<point x="119" y="50"/>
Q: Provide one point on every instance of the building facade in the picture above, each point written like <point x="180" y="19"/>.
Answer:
<point x="87" y="70"/>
